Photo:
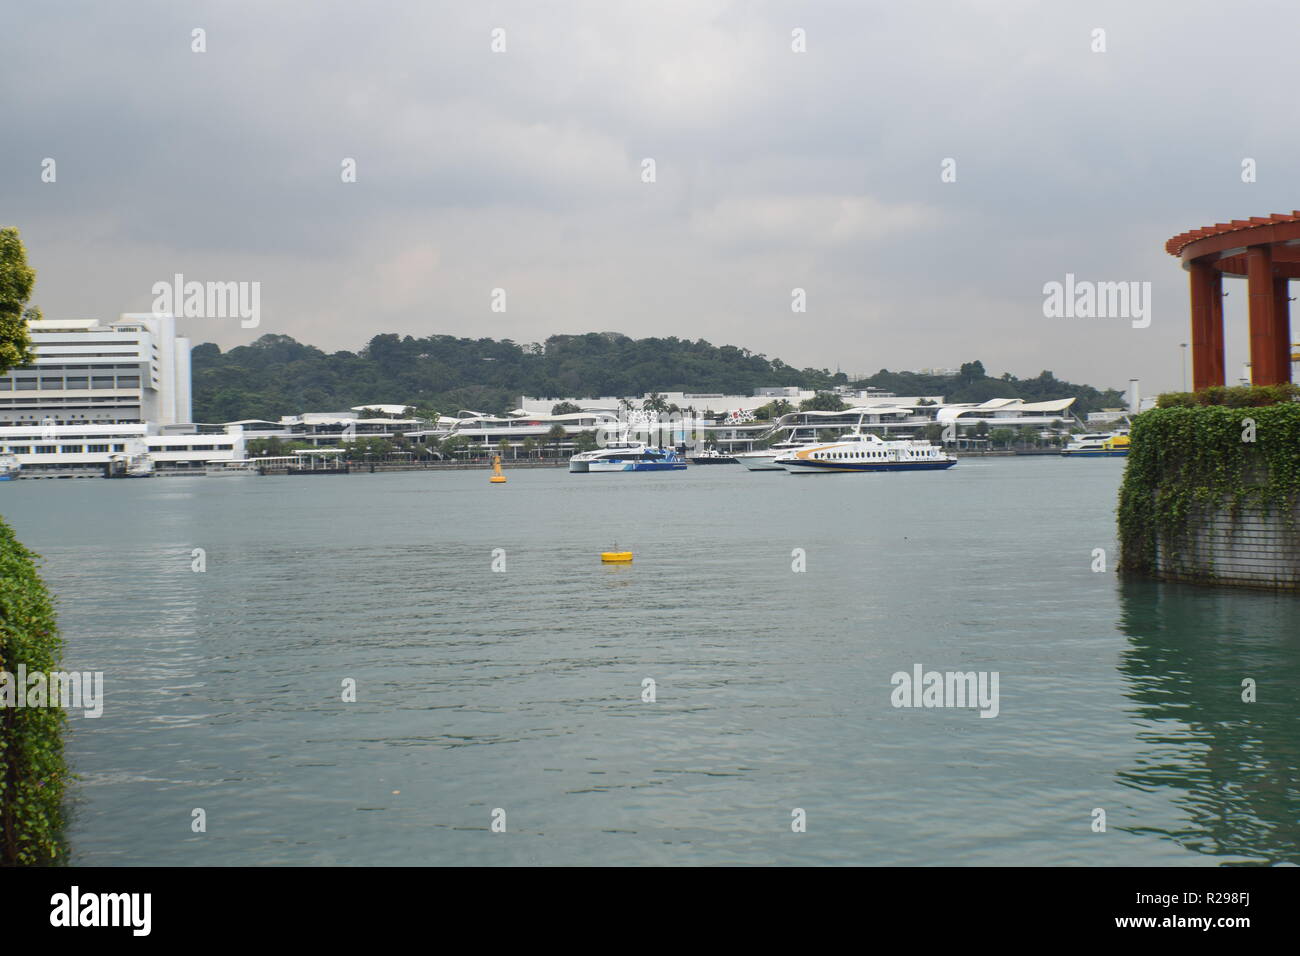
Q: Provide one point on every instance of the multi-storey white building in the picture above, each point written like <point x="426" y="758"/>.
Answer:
<point x="99" y="393"/>
<point x="130" y="371"/>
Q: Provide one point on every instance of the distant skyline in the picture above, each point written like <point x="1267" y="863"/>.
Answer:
<point x="774" y="170"/>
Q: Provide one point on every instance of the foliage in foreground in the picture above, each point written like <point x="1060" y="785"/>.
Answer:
<point x="32" y="769"/>
<point x="1184" y="461"/>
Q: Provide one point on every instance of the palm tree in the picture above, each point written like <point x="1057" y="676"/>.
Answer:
<point x="557" y="434"/>
<point x="656" y="405"/>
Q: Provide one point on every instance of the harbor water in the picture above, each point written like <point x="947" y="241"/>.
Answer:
<point x="503" y="674"/>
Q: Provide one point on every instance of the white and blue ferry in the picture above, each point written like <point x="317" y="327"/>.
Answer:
<point x="859" y="452"/>
<point x="626" y="456"/>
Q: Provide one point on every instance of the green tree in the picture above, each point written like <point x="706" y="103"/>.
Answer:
<point x="557" y="434"/>
<point x="529" y="447"/>
<point x="503" y="447"/>
<point x="586" y="441"/>
<point x="1002" y="436"/>
<point x="823" y="402"/>
<point x="16" y="281"/>
<point x="773" y="410"/>
<point x="366" y="448"/>
<point x="655" y="403"/>
<point x="565" y="408"/>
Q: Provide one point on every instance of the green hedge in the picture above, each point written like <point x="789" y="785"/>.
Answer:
<point x="1183" y="459"/>
<point x="32" y="771"/>
<point x="1236" y="396"/>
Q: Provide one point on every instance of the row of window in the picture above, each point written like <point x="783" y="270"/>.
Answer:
<point x="96" y="367"/>
<point x="859" y="456"/>
<point x="30" y="438"/>
<point x="189" y="447"/>
<point x="61" y="449"/>
<point x="90" y="449"/>
<point x="49" y="383"/>
<point x="81" y="401"/>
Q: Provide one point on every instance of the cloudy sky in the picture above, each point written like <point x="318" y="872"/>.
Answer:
<point x="774" y="169"/>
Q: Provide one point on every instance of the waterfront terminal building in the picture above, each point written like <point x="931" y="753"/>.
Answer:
<point x="101" y="392"/>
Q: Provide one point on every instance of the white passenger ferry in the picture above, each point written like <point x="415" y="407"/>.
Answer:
<point x="1099" y="445"/>
<point x="626" y="456"/>
<point x="858" y="452"/>
<point x="764" y="459"/>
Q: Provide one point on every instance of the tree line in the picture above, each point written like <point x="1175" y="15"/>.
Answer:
<point x="277" y="375"/>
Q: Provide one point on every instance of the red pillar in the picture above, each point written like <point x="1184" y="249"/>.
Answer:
<point x="1263" y="317"/>
<point x="1217" y="365"/>
<point x="1204" y="290"/>
<point x="1282" y="328"/>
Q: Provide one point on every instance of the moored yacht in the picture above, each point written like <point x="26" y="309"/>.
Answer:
<point x="711" y="456"/>
<point x="865" y="452"/>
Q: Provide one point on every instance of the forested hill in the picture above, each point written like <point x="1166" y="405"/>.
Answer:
<point x="277" y="375"/>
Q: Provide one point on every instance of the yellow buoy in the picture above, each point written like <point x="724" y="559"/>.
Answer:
<point x="497" y="478"/>
<point x="616" y="557"/>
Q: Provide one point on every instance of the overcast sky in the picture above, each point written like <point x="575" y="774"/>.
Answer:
<point x="775" y="170"/>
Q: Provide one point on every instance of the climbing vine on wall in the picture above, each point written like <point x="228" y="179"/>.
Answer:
<point x="1185" y="460"/>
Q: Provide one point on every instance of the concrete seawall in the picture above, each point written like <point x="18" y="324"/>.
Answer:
<point x="1249" y="549"/>
<point x="1211" y="495"/>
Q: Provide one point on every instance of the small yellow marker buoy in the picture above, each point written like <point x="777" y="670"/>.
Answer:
<point x="497" y="478"/>
<point x="616" y="557"/>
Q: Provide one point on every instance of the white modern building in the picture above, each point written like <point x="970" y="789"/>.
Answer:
<point x="133" y="370"/>
<point x="327" y="429"/>
<point x="520" y="431"/>
<point x="59" y="451"/>
<point x="732" y="427"/>
<point x="712" y="404"/>
<point x="97" y="392"/>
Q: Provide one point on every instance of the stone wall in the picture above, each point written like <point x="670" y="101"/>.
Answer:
<point x="1252" y="548"/>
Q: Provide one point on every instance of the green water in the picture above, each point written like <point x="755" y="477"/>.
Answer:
<point x="522" y="690"/>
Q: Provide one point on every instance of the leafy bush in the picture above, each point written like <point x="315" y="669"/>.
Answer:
<point x="1237" y="396"/>
<point x="32" y="770"/>
<point x="1185" y="459"/>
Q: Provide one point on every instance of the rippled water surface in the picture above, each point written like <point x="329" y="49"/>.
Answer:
<point x="522" y="690"/>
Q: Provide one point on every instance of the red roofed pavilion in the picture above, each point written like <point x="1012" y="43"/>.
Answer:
<point x="1266" y="250"/>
